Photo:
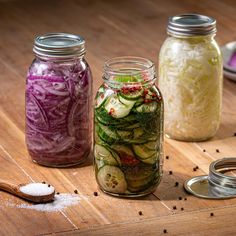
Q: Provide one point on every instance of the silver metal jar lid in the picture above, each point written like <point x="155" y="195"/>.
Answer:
<point x="216" y="185"/>
<point x="59" y="45"/>
<point x="191" y="25"/>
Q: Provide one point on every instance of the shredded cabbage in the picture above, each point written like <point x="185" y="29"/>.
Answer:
<point x="190" y="79"/>
<point x="58" y="112"/>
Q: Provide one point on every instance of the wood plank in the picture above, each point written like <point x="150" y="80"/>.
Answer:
<point x="192" y="223"/>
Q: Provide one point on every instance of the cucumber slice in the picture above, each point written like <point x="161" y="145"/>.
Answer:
<point x="100" y="100"/>
<point x="107" y="134"/>
<point x="126" y="101"/>
<point x="116" y="108"/>
<point x="103" y="156"/>
<point x="147" y="107"/>
<point x="124" y="134"/>
<point x="112" y="179"/>
<point x="122" y="149"/>
<point x="131" y="127"/>
<point x="151" y="160"/>
<point x="138" y="133"/>
<point x="139" y="178"/>
<point x="134" y="95"/>
<point x="151" y="145"/>
<point x="143" y="152"/>
<point x="126" y="155"/>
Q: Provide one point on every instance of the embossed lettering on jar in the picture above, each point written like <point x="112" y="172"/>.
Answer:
<point x="58" y="101"/>
<point x="190" y="78"/>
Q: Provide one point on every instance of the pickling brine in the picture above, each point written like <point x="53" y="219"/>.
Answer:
<point x="190" y="78"/>
<point x="128" y="128"/>
<point x="58" y="102"/>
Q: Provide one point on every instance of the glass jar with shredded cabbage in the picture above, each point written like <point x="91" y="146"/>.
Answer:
<point x="58" y="101"/>
<point x="190" y="78"/>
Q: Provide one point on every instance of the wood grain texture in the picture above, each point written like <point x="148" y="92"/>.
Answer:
<point x="111" y="28"/>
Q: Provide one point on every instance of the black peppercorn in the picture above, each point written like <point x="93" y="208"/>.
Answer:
<point x="167" y="157"/>
<point x="58" y="193"/>
<point x="170" y="172"/>
<point x="217" y="150"/>
<point x="176" y="184"/>
<point x="165" y="231"/>
<point x="212" y="214"/>
<point x="180" y="198"/>
<point x="49" y="185"/>
<point x="174" y="207"/>
<point x="204" y="150"/>
<point x="140" y="213"/>
<point x="76" y="191"/>
<point x="185" y="199"/>
<point x="182" y="208"/>
<point x="95" y="194"/>
<point x="43" y="182"/>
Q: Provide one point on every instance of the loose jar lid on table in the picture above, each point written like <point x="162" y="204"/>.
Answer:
<point x="216" y="185"/>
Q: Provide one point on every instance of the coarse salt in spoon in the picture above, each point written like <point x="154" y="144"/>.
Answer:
<point x="34" y="192"/>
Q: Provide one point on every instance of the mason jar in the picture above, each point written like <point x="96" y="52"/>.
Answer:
<point x="190" y="78"/>
<point x="128" y="127"/>
<point x="58" y="101"/>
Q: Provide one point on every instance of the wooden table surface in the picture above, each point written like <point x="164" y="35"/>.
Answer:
<point x="111" y="28"/>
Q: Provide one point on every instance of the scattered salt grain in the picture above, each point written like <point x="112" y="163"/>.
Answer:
<point x="60" y="202"/>
<point x="37" y="189"/>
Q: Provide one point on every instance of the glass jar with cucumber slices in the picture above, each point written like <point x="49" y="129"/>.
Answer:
<point x="128" y="127"/>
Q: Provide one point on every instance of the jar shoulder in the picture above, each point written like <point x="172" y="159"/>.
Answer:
<point x="40" y="67"/>
<point x="184" y="45"/>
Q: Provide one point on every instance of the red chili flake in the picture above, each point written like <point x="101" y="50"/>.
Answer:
<point x="128" y="159"/>
<point x="112" y="110"/>
<point x="154" y="95"/>
<point x="145" y="92"/>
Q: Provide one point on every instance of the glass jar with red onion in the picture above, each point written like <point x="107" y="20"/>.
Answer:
<point x="58" y="101"/>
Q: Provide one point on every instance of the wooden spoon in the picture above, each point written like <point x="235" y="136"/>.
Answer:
<point x="33" y="192"/>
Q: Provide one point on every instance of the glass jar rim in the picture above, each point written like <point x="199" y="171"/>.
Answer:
<point x="129" y="66"/>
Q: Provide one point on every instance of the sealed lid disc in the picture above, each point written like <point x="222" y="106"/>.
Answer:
<point x="200" y="187"/>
